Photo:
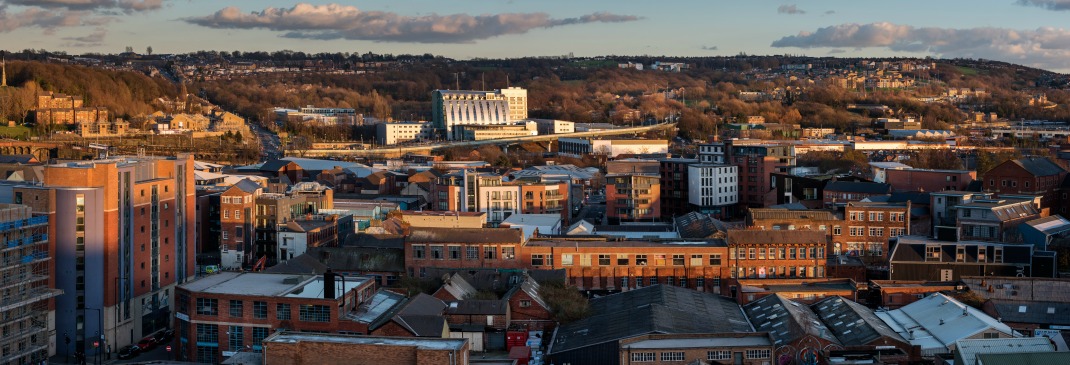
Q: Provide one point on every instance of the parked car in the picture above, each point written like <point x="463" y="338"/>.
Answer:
<point x="163" y="336"/>
<point x="147" y="343"/>
<point x="129" y="352"/>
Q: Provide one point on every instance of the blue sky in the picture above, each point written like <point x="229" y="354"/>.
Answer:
<point x="1031" y="32"/>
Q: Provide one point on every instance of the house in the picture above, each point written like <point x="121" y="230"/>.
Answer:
<point x="857" y="327"/>
<point x="920" y="258"/>
<point x="454" y="287"/>
<point x="528" y="310"/>
<point x="658" y="309"/>
<point x="936" y="322"/>
<point x="897" y="293"/>
<point x="776" y="254"/>
<point x="418" y="316"/>
<point x="839" y="193"/>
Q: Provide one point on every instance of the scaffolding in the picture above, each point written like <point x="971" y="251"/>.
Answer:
<point x="24" y="289"/>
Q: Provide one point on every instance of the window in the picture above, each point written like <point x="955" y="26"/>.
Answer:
<point x="226" y="213"/>
<point x="678" y="260"/>
<point x="237" y="214"/>
<point x="876" y="231"/>
<point x="622" y="259"/>
<point x="858" y="231"/>
<point x="990" y="335"/>
<point x="672" y="356"/>
<point x="537" y="260"/>
<point x="207" y="333"/>
<point x="236" y="308"/>
<point x="418" y="251"/>
<point x="757" y="354"/>
<point x="640" y="260"/>
<point x="980" y="254"/>
<point x="436" y="252"/>
<point x="751" y="253"/>
<point x="715" y="259"/>
<point x="566" y="260"/>
<point x="643" y="356"/>
<point x="718" y="355"/>
<point x="780" y="253"/>
<point x="761" y="253"/>
<point x="259" y="334"/>
<point x="932" y="253"/>
<point x="508" y="252"/>
<point x="490" y="252"/>
<point x="315" y="313"/>
<point x="236" y="338"/>
<point x="223" y="233"/>
<point x="603" y="260"/>
<point x="208" y="307"/>
<point x="259" y="310"/>
<point x="998" y="255"/>
<point x="525" y="303"/>
<point x="837" y="230"/>
<point x="472" y="252"/>
<point x="791" y="253"/>
<point x="696" y="260"/>
<point x="282" y="311"/>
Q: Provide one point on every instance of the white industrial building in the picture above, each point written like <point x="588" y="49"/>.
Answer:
<point x="393" y="133"/>
<point x="450" y="108"/>
<point x="612" y="147"/>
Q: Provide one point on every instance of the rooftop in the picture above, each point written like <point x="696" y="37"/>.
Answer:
<point x="937" y="321"/>
<point x="749" y="340"/>
<point x="421" y="343"/>
<point x="752" y="237"/>
<point x="1051" y="224"/>
<point x="266" y="285"/>
<point x="1039" y="166"/>
<point x="969" y="349"/>
<point x="466" y="235"/>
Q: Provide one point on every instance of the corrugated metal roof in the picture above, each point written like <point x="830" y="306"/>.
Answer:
<point x="852" y="323"/>
<point x="1034" y="358"/>
<point x="937" y="321"/>
<point x="742" y="237"/>
<point x="768" y="213"/>
<point x="969" y="349"/>
<point x="786" y="320"/>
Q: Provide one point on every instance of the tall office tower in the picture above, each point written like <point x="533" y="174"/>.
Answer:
<point x="25" y="313"/>
<point x="451" y="108"/>
<point x="122" y="235"/>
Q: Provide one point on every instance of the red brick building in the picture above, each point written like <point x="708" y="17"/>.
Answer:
<point x="298" y="348"/>
<point x="777" y="254"/>
<point x="929" y="180"/>
<point x="527" y="310"/>
<point x="1032" y="176"/>
<point x="631" y="198"/>
<point x="221" y="314"/>
<point x="756" y="163"/>
<point x="462" y="248"/>
<point x="839" y="193"/>
<point x="894" y="294"/>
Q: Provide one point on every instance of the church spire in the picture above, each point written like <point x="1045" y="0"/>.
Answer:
<point x="3" y="65"/>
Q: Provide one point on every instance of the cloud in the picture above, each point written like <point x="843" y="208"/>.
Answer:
<point x="789" y="9"/>
<point x="709" y="48"/>
<point x="48" y="20"/>
<point x="1045" y="47"/>
<point x="837" y="50"/>
<point x="335" y="21"/>
<point x="830" y="12"/>
<point x="95" y="38"/>
<point x="1057" y="5"/>
<point x="95" y="5"/>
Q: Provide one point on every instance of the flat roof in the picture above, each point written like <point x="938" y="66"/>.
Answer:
<point x="265" y="284"/>
<point x="421" y="343"/>
<point x="684" y="343"/>
<point x="609" y="243"/>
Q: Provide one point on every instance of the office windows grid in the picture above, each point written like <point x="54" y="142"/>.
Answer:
<point x="282" y="311"/>
<point x="260" y="310"/>
<point x="758" y="354"/>
<point x="315" y="313"/>
<point x="672" y="356"/>
<point x="719" y="355"/>
<point x="643" y="356"/>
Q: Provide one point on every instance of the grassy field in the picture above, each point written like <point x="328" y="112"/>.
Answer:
<point x="13" y="132"/>
<point x="966" y="70"/>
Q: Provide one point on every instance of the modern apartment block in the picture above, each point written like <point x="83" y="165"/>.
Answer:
<point x="756" y="162"/>
<point x="712" y="189"/>
<point x="26" y="315"/>
<point x="467" y="191"/>
<point x="633" y="198"/>
<point x="451" y="108"/>
<point x="674" y="186"/>
<point x="122" y="235"/>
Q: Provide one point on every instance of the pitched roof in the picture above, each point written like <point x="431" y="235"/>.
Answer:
<point x="1039" y="166"/>
<point x="1021" y="311"/>
<point x="967" y="350"/>
<point x="937" y="321"/>
<point x="457" y="286"/>
<point x="698" y="225"/>
<point x="385" y="240"/>
<point x="786" y="320"/>
<point x="852" y="323"/>
<point x="775" y="213"/>
<point x="530" y="287"/>
<point x="301" y="264"/>
<point x="751" y="236"/>
<point x="477" y="307"/>
<point x="652" y="309"/>
<point x="1051" y="224"/>
<point x="858" y="187"/>
<point x="248" y="186"/>
<point x="361" y="259"/>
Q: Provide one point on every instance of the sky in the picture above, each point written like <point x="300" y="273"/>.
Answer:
<point x="1031" y="32"/>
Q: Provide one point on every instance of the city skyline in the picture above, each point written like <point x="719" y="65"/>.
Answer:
<point x="1023" y="31"/>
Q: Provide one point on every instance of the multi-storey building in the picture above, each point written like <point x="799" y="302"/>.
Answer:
<point x="392" y="133"/>
<point x="294" y="348"/>
<point x="273" y="209"/>
<point x="299" y="235"/>
<point x="26" y="315"/>
<point x="929" y="180"/>
<point x="867" y="227"/>
<point x="994" y="220"/>
<point x="839" y="193"/>
<point x="633" y="197"/>
<point x="451" y="108"/>
<point x="715" y="153"/>
<point x="462" y="248"/>
<point x="777" y="254"/>
<point x="756" y="163"/>
<point x="467" y="191"/>
<point x="223" y="314"/>
<point x="943" y="208"/>
<point x="674" y="186"/>
<point x="920" y="258"/>
<point x="235" y="216"/>
<point x="712" y="189"/>
<point x="122" y="235"/>
<point x="1031" y="176"/>
<point x="611" y="147"/>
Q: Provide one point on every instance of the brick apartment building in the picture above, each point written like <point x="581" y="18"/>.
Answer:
<point x="669" y="349"/>
<point x="674" y="185"/>
<point x="777" y="254"/>
<point x="756" y="163"/>
<point x="467" y="191"/>
<point x="1030" y="176"/>
<point x="839" y="193"/>
<point x="121" y="237"/>
<point x="862" y="230"/>
<point x="633" y="198"/>
<point x="462" y="248"/>
<point x="226" y="313"/>
<point x="296" y="348"/>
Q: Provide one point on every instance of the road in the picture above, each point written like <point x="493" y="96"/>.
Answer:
<point x="270" y="145"/>
<point x="156" y="354"/>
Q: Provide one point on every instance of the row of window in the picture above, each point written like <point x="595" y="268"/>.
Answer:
<point x="762" y="272"/>
<point x="307" y="313"/>
<point x="453" y="252"/>
<point x="710" y="355"/>
<point x="626" y="260"/>
<point x="877" y="216"/>
<point x="776" y="253"/>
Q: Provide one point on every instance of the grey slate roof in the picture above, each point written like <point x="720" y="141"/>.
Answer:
<point x="1020" y="311"/>
<point x="465" y="235"/>
<point x="737" y="237"/>
<point x="774" y="213"/>
<point x="786" y="320"/>
<point x="301" y="264"/>
<point x="1039" y="166"/>
<point x="852" y="323"/>
<point x="698" y="225"/>
<point x="652" y="309"/>
<point x="478" y="307"/>
<point x="375" y="240"/>
<point x="531" y="288"/>
<point x="248" y="186"/>
<point x="360" y="258"/>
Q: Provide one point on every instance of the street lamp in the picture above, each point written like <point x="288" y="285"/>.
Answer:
<point x="99" y="337"/>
